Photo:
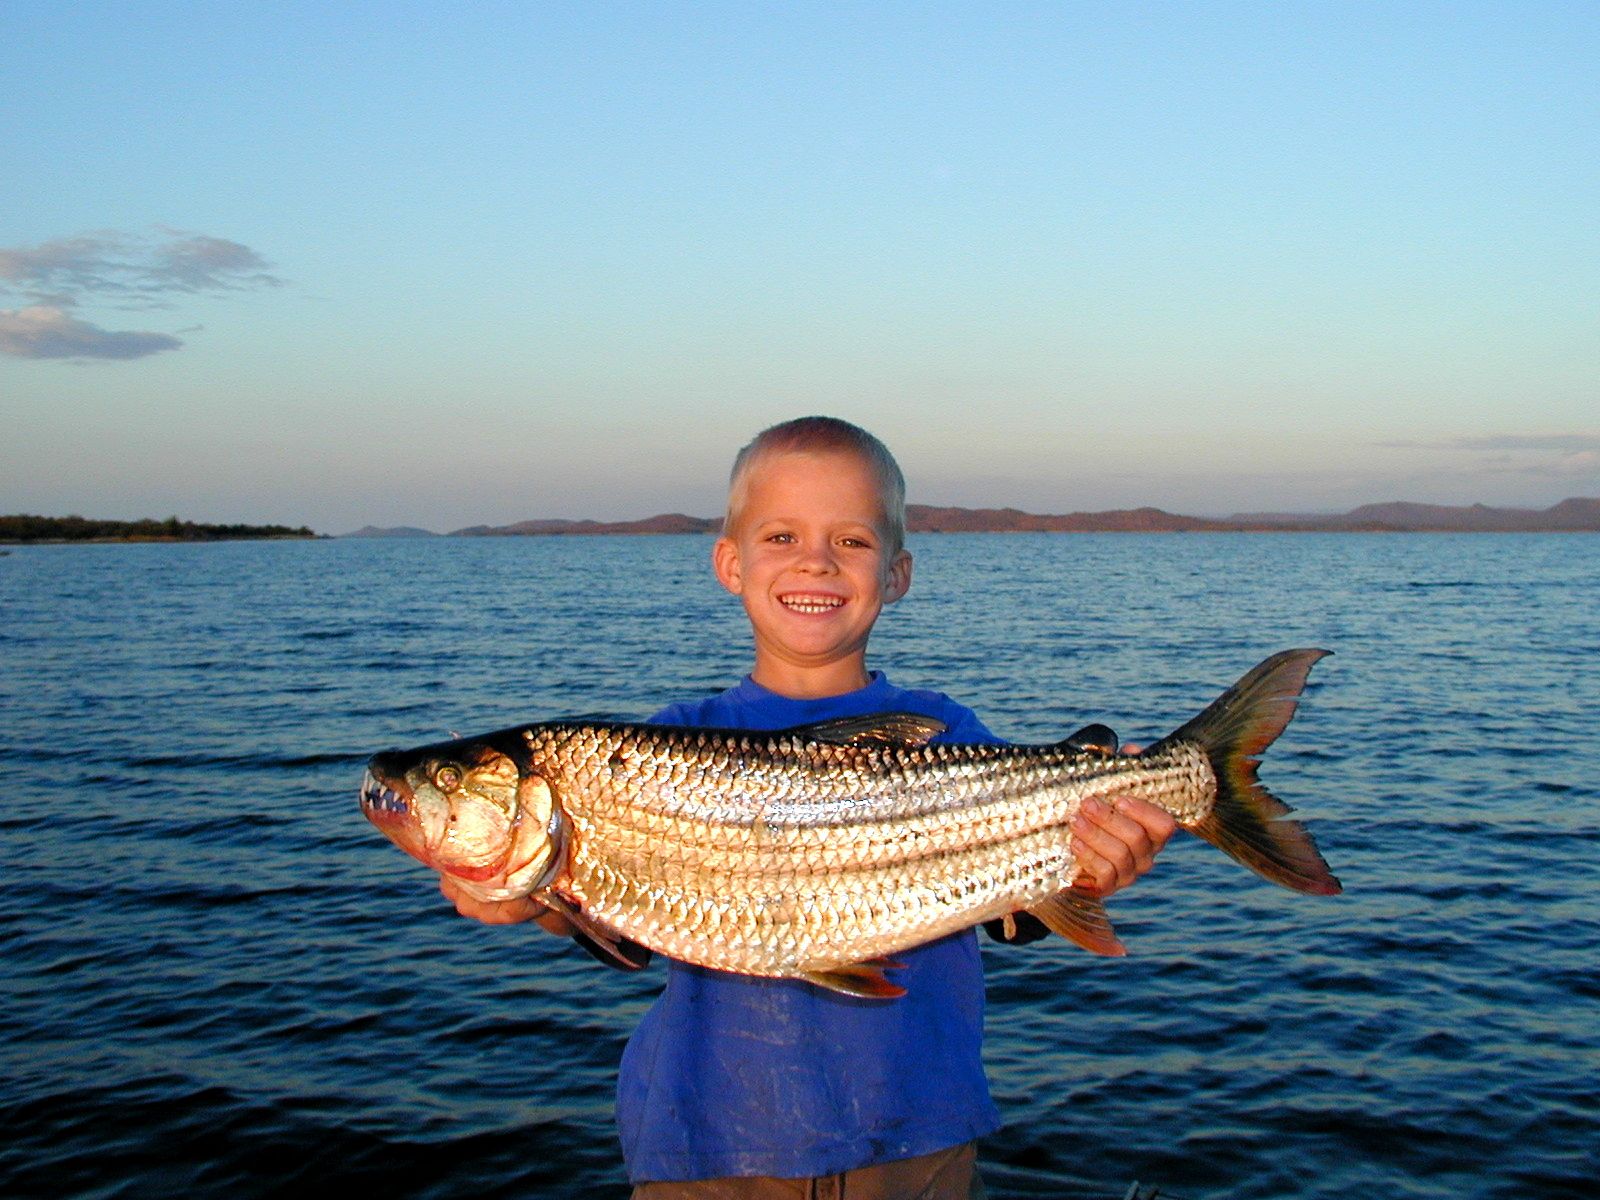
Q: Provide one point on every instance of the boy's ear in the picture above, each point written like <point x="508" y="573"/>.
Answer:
<point x="725" y="562"/>
<point x="899" y="577"/>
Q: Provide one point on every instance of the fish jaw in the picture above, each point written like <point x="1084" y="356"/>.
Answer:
<point x="466" y="809"/>
<point x="396" y="815"/>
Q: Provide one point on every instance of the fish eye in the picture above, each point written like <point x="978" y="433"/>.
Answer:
<point x="447" y="778"/>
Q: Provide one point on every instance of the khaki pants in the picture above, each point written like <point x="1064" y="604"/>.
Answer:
<point x="945" y="1175"/>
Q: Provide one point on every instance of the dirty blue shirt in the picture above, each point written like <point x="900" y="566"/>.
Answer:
<point x="735" y="1075"/>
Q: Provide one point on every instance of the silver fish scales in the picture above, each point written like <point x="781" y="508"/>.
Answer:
<point x="783" y="856"/>
<point x="818" y="852"/>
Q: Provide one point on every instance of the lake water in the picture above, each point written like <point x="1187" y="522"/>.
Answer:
<point x="218" y="980"/>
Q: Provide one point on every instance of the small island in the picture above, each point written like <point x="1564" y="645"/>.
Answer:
<point x="25" y="528"/>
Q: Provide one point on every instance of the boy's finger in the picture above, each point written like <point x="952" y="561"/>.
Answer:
<point x="1157" y="823"/>
<point x="1116" y="847"/>
<point x="490" y="912"/>
<point x="1098" y="874"/>
<point x="1120" y="826"/>
<point x="1141" y="826"/>
<point x="1106" y="856"/>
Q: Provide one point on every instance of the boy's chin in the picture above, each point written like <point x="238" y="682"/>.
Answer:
<point x="819" y="655"/>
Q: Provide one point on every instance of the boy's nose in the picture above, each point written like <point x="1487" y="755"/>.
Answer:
<point x="817" y="557"/>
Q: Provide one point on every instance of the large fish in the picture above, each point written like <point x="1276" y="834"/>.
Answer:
<point x="819" y="851"/>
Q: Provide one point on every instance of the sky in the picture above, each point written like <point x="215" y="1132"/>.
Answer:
<point x="450" y="264"/>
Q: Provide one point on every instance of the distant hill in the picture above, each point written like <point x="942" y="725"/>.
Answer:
<point x="924" y="518"/>
<point x="1575" y="515"/>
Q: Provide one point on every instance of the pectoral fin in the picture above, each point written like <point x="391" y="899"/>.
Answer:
<point x="598" y="941"/>
<point x="1082" y="919"/>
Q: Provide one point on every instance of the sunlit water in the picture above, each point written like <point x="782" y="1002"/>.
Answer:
<point x="218" y="980"/>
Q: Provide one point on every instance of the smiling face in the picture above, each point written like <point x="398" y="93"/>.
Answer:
<point x="808" y="555"/>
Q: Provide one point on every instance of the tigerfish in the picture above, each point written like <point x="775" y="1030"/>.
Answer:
<point x="820" y="851"/>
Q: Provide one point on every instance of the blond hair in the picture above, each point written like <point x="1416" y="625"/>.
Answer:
<point x="822" y="435"/>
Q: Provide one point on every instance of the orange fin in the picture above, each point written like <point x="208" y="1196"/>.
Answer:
<point x="1080" y="918"/>
<point x="863" y="979"/>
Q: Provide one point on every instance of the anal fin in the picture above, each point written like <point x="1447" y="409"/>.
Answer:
<point x="1081" y="919"/>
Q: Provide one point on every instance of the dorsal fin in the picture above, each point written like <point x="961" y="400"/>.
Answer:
<point x="1092" y="739"/>
<point x="889" y="729"/>
<point x="1081" y="918"/>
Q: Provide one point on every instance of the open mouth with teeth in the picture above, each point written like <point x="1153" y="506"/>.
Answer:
<point x="811" y="603"/>
<point x="391" y="809"/>
<point x="377" y="796"/>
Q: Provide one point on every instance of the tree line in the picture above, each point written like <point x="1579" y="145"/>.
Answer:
<point x="25" y="527"/>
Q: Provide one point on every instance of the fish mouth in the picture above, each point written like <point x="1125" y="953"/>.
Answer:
<point x="394" y="813"/>
<point x="378" y="797"/>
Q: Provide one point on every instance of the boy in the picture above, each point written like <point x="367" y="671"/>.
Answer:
<point x="741" y="1087"/>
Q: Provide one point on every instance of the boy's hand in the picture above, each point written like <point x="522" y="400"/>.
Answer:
<point x="503" y="912"/>
<point x="1117" y="845"/>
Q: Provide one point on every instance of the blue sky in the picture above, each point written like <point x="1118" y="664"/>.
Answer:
<point x="440" y="264"/>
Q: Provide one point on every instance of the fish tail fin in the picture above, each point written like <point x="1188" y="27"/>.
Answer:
<point x="1247" y="822"/>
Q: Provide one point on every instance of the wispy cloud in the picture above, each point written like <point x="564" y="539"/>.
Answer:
<point x="1577" y="463"/>
<point x="43" y="331"/>
<point x="121" y="270"/>
<point x="141" y="271"/>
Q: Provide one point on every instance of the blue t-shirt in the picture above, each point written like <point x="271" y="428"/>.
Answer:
<point x="736" y="1075"/>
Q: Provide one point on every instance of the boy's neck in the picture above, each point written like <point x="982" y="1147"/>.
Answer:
<point x="812" y="683"/>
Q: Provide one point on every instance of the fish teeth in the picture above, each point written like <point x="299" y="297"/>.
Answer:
<point x="375" y="795"/>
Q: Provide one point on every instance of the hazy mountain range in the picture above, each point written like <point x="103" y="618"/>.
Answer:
<point x="1577" y="515"/>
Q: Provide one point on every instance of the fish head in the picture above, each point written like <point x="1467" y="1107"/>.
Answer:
<point x="472" y="809"/>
